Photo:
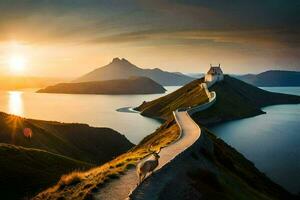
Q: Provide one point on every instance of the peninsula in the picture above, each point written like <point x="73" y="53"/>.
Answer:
<point x="192" y="155"/>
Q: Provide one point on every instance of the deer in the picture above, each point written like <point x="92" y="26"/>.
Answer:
<point x="145" y="167"/>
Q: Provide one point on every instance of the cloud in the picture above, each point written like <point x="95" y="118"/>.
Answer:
<point x="262" y="38"/>
<point x="47" y="21"/>
<point x="269" y="29"/>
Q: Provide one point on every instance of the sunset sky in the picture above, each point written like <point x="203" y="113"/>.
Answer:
<point x="71" y="37"/>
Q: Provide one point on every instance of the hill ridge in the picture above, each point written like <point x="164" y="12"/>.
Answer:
<point x="131" y="85"/>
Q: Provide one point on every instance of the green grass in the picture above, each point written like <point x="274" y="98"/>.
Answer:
<point x="191" y="94"/>
<point x="97" y="177"/>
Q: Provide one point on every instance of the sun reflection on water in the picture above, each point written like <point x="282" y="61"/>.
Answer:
<point x="15" y="105"/>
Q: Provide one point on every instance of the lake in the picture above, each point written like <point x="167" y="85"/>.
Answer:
<point x="95" y="110"/>
<point x="271" y="141"/>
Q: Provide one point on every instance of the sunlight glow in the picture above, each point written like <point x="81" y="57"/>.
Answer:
<point x="17" y="63"/>
<point x="15" y="103"/>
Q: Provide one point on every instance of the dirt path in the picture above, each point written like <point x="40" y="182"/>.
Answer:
<point x="120" y="189"/>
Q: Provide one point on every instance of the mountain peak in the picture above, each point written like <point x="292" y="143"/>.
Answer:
<point x="121" y="68"/>
<point x="116" y="59"/>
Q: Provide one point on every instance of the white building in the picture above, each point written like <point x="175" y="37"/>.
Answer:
<point x="215" y="73"/>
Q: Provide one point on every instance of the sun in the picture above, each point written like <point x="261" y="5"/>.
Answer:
<point x="17" y="63"/>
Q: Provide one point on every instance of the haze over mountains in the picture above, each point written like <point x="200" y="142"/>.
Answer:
<point x="22" y="82"/>
<point x="123" y="69"/>
<point x="273" y="78"/>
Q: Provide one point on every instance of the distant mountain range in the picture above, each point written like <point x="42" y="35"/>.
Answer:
<point x="273" y="78"/>
<point x="132" y="85"/>
<point x="123" y="69"/>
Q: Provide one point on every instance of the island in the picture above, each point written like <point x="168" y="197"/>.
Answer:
<point x="132" y="85"/>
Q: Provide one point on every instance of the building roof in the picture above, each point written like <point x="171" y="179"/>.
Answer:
<point x="215" y="70"/>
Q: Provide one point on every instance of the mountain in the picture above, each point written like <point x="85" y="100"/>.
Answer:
<point x="77" y="141"/>
<point x="25" y="171"/>
<point x="123" y="69"/>
<point x="196" y="75"/>
<point x="235" y="99"/>
<point x="273" y="78"/>
<point x="132" y="85"/>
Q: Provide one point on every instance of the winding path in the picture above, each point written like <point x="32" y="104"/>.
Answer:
<point x="121" y="188"/>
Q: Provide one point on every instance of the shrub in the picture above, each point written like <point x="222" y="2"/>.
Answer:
<point x="70" y="179"/>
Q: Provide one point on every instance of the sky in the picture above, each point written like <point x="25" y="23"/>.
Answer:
<point x="68" y="38"/>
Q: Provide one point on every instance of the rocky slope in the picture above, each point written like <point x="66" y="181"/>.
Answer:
<point x="132" y="85"/>
<point x="123" y="69"/>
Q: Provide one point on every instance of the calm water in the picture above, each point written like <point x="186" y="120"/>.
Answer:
<point x="95" y="110"/>
<point x="271" y="141"/>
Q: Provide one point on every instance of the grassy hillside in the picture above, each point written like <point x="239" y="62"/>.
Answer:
<point x="77" y="141"/>
<point x="189" y="95"/>
<point x="132" y="85"/>
<point x="35" y="153"/>
<point x="80" y="185"/>
<point x="237" y="99"/>
<point x="226" y="175"/>
<point x="25" y="171"/>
